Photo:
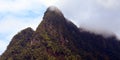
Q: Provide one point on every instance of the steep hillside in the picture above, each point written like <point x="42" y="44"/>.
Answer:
<point x="56" y="38"/>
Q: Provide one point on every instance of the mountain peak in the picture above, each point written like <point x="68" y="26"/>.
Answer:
<point x="53" y="17"/>
<point x="53" y="8"/>
<point x="52" y="12"/>
<point x="56" y="38"/>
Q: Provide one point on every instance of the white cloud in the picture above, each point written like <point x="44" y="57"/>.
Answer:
<point x="102" y="14"/>
<point x="48" y="2"/>
<point x="109" y="3"/>
<point x="11" y="23"/>
<point x="14" y="5"/>
<point x="18" y="5"/>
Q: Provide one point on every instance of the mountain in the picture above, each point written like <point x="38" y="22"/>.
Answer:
<point x="57" y="38"/>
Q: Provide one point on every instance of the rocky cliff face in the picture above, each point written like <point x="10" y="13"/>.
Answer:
<point x="56" y="38"/>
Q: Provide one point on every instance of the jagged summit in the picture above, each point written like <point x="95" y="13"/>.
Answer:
<point x="53" y="18"/>
<point x="53" y="12"/>
<point x="53" y="8"/>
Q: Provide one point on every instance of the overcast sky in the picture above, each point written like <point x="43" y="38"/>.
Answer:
<point x="16" y="15"/>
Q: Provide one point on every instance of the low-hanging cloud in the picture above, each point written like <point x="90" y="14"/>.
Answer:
<point x="98" y="14"/>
